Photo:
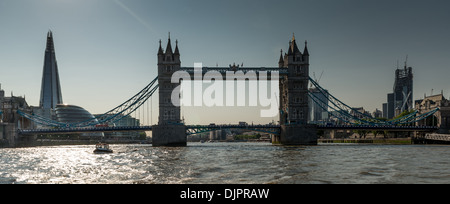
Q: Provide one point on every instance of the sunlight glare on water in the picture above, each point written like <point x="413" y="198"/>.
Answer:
<point x="227" y="163"/>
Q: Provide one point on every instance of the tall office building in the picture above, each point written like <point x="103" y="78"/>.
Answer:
<point x="316" y="113"/>
<point x="50" y="88"/>
<point x="402" y="97"/>
<point x="403" y="90"/>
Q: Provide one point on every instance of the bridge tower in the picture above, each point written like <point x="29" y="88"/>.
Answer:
<point x="169" y="131"/>
<point x="294" y="98"/>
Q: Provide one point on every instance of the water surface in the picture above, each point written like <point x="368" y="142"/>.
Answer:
<point x="228" y="163"/>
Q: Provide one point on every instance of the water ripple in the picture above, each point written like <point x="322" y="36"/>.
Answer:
<point x="227" y="163"/>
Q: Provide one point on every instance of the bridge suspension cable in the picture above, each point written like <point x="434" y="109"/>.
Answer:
<point x="114" y="115"/>
<point x="345" y="113"/>
<point x="130" y="105"/>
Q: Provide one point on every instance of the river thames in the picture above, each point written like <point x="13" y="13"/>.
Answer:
<point x="223" y="163"/>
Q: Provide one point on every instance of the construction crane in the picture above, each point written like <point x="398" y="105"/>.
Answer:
<point x="315" y="78"/>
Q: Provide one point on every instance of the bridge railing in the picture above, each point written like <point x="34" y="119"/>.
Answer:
<point x="196" y="129"/>
<point x="224" y="70"/>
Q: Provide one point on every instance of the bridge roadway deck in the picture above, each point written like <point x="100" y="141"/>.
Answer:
<point x="270" y="128"/>
<point x="84" y="130"/>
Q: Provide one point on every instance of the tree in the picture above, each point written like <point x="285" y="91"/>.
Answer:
<point x="405" y="113"/>
<point x="401" y="115"/>
<point x="382" y="132"/>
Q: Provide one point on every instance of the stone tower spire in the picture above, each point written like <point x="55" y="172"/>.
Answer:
<point x="169" y="47"/>
<point x="177" y="52"/>
<point x="281" y="60"/>
<point x="160" y="51"/>
<point x="50" y="87"/>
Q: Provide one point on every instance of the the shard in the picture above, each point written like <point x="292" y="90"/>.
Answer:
<point x="51" y="87"/>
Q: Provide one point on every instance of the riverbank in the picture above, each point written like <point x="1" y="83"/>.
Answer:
<point x="399" y="141"/>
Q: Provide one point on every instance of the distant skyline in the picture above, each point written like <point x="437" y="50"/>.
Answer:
<point x="107" y="49"/>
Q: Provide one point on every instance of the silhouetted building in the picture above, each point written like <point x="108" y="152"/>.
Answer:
<point x="316" y="113"/>
<point x="441" y="118"/>
<point x="73" y="114"/>
<point x="50" y="88"/>
<point x="377" y="113"/>
<point x="402" y="97"/>
<point x="385" y="106"/>
<point x="403" y="89"/>
<point x="390" y="106"/>
<point x="51" y="103"/>
<point x="9" y="107"/>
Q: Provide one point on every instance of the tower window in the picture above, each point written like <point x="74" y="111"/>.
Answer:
<point x="294" y="114"/>
<point x="165" y="115"/>
<point x="298" y="85"/>
<point x="298" y="69"/>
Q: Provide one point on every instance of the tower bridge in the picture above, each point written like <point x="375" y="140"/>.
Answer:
<point x="196" y="129"/>
<point x="293" y="78"/>
<point x="293" y="84"/>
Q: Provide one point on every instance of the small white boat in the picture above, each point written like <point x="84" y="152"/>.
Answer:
<point x="102" y="148"/>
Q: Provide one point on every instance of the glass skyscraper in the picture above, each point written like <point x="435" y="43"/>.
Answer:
<point x="51" y="87"/>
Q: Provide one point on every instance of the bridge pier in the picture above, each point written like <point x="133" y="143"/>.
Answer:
<point x="298" y="135"/>
<point x="9" y="136"/>
<point x="169" y="135"/>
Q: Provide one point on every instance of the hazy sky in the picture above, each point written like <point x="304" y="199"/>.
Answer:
<point x="106" y="49"/>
